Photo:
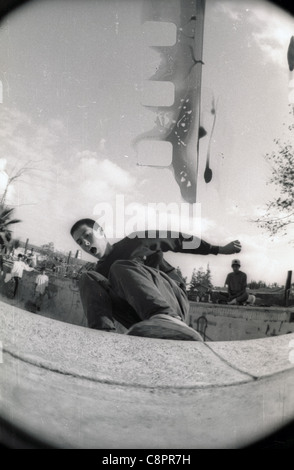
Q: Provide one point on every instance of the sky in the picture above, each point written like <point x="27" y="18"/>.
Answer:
<point x="73" y="74"/>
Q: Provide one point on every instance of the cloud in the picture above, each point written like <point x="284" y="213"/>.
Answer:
<point x="229" y="9"/>
<point x="259" y="247"/>
<point x="271" y="26"/>
<point x="99" y="178"/>
<point x="273" y="32"/>
<point x="58" y="190"/>
<point x="56" y="124"/>
<point x="261" y="259"/>
<point x="23" y="140"/>
<point x="121" y="218"/>
<point x="92" y="181"/>
<point x="83" y="173"/>
<point x="102" y="145"/>
<point x="3" y="163"/>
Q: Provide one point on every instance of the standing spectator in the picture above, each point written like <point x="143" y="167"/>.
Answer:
<point x="32" y="258"/>
<point x="41" y="287"/>
<point x="17" y="271"/>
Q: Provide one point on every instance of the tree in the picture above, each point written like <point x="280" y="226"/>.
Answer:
<point x="5" y="222"/>
<point x="193" y="285"/>
<point x="257" y="285"/>
<point x="279" y="213"/>
<point x="48" y="248"/>
<point x="274" y="285"/>
<point x="207" y="278"/>
<point x="17" y="173"/>
<point x="179" y="272"/>
<point x="49" y="251"/>
<point x="200" y="282"/>
<point x="13" y="245"/>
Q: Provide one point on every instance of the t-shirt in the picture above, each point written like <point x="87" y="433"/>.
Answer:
<point x="42" y="282"/>
<point x="18" y="268"/>
<point x="236" y="282"/>
<point x="149" y="251"/>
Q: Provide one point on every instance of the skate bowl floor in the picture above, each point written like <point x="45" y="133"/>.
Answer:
<point x="67" y="386"/>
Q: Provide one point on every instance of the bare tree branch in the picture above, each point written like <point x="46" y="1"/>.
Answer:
<point x="16" y="174"/>
<point x="279" y="212"/>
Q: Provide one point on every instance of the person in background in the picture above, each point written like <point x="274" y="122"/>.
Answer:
<point x="17" y="271"/>
<point x="32" y="259"/>
<point x="41" y="287"/>
<point x="236" y="282"/>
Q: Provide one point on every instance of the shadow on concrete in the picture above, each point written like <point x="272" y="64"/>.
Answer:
<point x="281" y="439"/>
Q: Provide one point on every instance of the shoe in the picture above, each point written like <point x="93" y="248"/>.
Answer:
<point x="164" y="327"/>
<point x="251" y="300"/>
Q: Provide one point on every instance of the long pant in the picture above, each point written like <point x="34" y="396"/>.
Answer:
<point x="16" y="284"/>
<point x="134" y="292"/>
<point x="240" y="299"/>
<point x="38" y="298"/>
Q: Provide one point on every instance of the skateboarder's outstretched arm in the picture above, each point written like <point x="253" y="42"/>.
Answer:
<point x="157" y="240"/>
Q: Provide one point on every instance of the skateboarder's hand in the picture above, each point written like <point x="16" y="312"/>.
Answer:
<point x="105" y="284"/>
<point x="231" y="248"/>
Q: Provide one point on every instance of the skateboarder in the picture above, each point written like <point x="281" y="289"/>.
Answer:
<point x="135" y="285"/>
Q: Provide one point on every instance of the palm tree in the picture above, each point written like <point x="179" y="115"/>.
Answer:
<point x="5" y="222"/>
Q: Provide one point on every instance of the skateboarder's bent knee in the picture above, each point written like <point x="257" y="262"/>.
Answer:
<point x="92" y="277"/>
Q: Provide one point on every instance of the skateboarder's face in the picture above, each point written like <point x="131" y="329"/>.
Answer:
<point x="92" y="242"/>
<point x="236" y="268"/>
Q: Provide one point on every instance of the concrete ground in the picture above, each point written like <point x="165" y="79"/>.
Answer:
<point x="73" y="387"/>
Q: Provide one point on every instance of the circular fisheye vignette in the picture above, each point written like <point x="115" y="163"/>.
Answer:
<point x="5" y="9"/>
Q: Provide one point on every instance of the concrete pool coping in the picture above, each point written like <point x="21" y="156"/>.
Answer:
<point x="82" y="388"/>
